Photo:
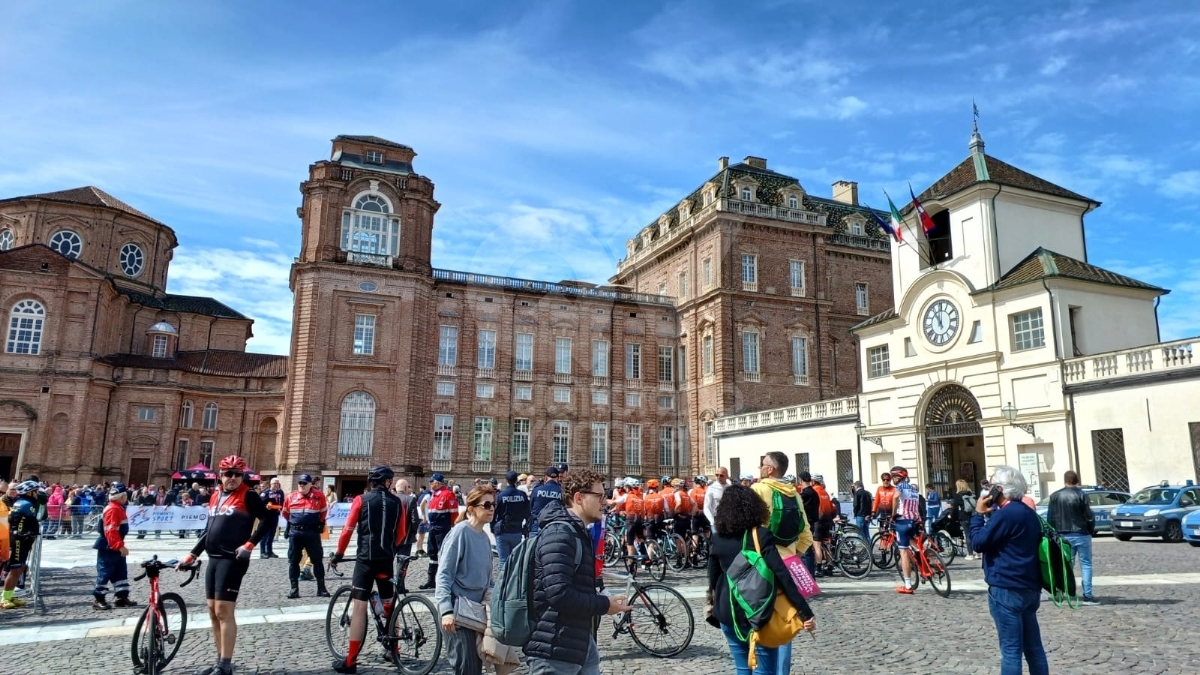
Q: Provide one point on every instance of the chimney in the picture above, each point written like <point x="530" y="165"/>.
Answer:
<point x="722" y="163"/>
<point x="756" y="162"/>
<point x="846" y="192"/>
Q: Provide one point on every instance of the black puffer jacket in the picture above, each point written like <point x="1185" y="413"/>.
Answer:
<point x="564" y="594"/>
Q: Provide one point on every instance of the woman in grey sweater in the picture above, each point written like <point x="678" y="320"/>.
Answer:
<point x="465" y="572"/>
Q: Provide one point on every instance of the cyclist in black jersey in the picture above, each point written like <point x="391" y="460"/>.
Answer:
<point x="380" y="520"/>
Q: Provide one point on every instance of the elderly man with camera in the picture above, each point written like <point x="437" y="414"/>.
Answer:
<point x="1008" y="540"/>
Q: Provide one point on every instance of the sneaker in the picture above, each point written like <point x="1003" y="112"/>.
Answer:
<point x="294" y="594"/>
<point x="124" y="602"/>
<point x="21" y="592"/>
<point x="904" y="590"/>
<point x="1089" y="601"/>
<point x="208" y="670"/>
<point x="101" y="605"/>
<point x="343" y="667"/>
<point x="322" y="593"/>
<point x="427" y="585"/>
<point x="14" y="603"/>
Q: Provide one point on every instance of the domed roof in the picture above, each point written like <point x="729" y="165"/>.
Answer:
<point x="162" y="327"/>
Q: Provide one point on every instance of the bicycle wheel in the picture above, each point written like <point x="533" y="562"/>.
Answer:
<point x="916" y="572"/>
<point x="940" y="576"/>
<point x="662" y="622"/>
<point x="337" y="623"/>
<point x="853" y="557"/>
<point x="700" y="552"/>
<point x="677" y="552"/>
<point x="612" y="550"/>
<point x="944" y="545"/>
<point x="414" y="637"/>
<point x="883" y="558"/>
<point x="153" y="646"/>
<point x="657" y="563"/>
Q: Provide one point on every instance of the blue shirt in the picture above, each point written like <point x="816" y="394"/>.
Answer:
<point x="1009" y="541"/>
<point x="542" y="495"/>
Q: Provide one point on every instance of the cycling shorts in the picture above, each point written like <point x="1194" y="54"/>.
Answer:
<point x="223" y="578"/>
<point x="634" y="531"/>
<point x="656" y="528"/>
<point x="700" y="523"/>
<point x="823" y="530"/>
<point x="19" y="548"/>
<point x="368" y="572"/>
<point x="904" y="533"/>
<point x="682" y="525"/>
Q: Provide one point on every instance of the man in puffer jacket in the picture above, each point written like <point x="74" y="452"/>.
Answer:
<point x="565" y="600"/>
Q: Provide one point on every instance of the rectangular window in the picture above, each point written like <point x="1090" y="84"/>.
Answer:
<point x="633" y="400"/>
<point x="181" y="455"/>
<point x="707" y="271"/>
<point x="666" y="364"/>
<point x="25" y="328"/>
<point x="374" y="157"/>
<point x="520" y="440"/>
<point x="523" y="393"/>
<point x="666" y="402"/>
<point x="599" y="444"/>
<point x="683" y="285"/>
<point x="562" y="395"/>
<point x="633" y="444"/>
<point x="860" y="299"/>
<point x="443" y="436"/>
<point x="147" y="414"/>
<point x="633" y="362"/>
<point x="562" y="355"/>
<point x="209" y="420"/>
<point x="796" y="268"/>
<point x="561" y="448"/>
<point x="481" y="446"/>
<point x="666" y="446"/>
<point x="445" y="388"/>
<point x="487" y="349"/>
<point x="800" y="359"/>
<point x="750" y="352"/>
<point x="802" y="463"/>
<point x="599" y="358"/>
<point x="206" y="452"/>
<point x="524" y="355"/>
<point x="448" y="346"/>
<point x="683" y="364"/>
<point x="710" y="445"/>
<point x="159" y="351"/>
<point x="600" y="397"/>
<point x="976" y="333"/>
<point x="485" y="390"/>
<point x="364" y="334"/>
<point x="1027" y="330"/>
<point x="878" y="361"/>
<point x="909" y="348"/>
<point x="185" y="416"/>
<point x="749" y="270"/>
<point x="708" y="355"/>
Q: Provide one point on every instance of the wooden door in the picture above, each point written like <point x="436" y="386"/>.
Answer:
<point x="10" y="447"/>
<point x="139" y="472"/>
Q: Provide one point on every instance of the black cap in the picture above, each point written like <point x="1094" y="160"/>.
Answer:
<point x="511" y="476"/>
<point x="552" y="472"/>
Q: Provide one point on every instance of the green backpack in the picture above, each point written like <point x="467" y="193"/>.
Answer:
<point x="751" y="588"/>
<point x="512" y="618"/>
<point x="1056" y="561"/>
<point x="787" y="518"/>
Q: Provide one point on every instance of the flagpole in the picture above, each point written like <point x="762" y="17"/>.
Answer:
<point x="900" y="224"/>
<point x="925" y="234"/>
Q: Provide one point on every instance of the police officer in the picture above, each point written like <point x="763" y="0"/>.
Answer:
<point x="512" y="517"/>
<point x="550" y="491"/>
<point x="111" y="552"/>
<point x="304" y="511"/>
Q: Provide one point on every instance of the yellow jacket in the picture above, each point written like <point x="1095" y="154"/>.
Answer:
<point x="763" y="489"/>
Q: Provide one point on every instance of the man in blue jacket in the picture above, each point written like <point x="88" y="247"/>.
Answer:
<point x="511" y="520"/>
<point x="542" y="495"/>
<point x="1009" y="540"/>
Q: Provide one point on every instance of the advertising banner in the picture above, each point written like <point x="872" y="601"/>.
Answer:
<point x="167" y="518"/>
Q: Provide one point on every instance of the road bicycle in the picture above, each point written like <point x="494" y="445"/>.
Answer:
<point x="160" y="630"/>
<point x="660" y="621"/>
<point x="883" y="546"/>
<point x="848" y="552"/>
<point x="948" y="539"/>
<point x="927" y="563"/>
<point x="673" y="546"/>
<point x="411" y="635"/>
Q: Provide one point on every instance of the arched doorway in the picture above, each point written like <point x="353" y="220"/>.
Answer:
<point x="953" y="439"/>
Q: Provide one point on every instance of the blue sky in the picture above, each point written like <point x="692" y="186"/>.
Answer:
<point x="569" y="126"/>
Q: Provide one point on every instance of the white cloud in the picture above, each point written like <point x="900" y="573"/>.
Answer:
<point x="1054" y="66"/>
<point x="1182" y="184"/>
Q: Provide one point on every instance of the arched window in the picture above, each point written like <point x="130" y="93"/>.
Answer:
<point x="185" y="415"/>
<point x="793" y="203"/>
<point x="6" y="239"/>
<point x="358" y="425"/>
<point x="370" y="227"/>
<point x="746" y="194"/>
<point x="25" y="328"/>
<point x="67" y="243"/>
<point x="210" y="417"/>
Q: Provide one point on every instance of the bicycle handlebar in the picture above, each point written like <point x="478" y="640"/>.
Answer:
<point x="156" y="565"/>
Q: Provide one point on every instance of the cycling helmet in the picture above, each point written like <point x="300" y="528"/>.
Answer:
<point x="381" y="473"/>
<point x="27" y="486"/>
<point x="789" y="479"/>
<point x="652" y="484"/>
<point x="233" y="463"/>
<point x="899" y="473"/>
<point x="665" y="479"/>
<point x="117" y="488"/>
<point x="700" y="479"/>
<point x="678" y="482"/>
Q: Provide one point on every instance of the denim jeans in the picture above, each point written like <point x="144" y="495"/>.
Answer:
<point x="1081" y="545"/>
<point x="768" y="659"/>
<point x="1014" y="612"/>
<point x="864" y="528"/>
<point x="505" y="543"/>
<point x="591" y="664"/>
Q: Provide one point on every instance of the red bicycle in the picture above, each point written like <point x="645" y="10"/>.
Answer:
<point x="927" y="563"/>
<point x="160" y="630"/>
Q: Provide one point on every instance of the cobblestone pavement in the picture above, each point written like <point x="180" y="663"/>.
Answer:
<point x="1150" y="593"/>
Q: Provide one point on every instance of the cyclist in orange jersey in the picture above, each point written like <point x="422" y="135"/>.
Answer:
<point x="635" y="516"/>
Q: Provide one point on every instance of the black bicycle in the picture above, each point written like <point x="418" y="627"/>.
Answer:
<point x="411" y="635"/>
<point x="661" y="622"/>
<point x="160" y="630"/>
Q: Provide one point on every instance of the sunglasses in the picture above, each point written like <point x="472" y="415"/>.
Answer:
<point x="486" y="505"/>
<point x="232" y="474"/>
<point x="304" y="482"/>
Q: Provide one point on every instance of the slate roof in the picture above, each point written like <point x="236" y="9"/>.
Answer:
<point x="993" y="170"/>
<point x="374" y="140"/>
<point x="1046" y="264"/>
<point x="88" y="195"/>
<point x="885" y="315"/>
<point x="219" y="362"/>
<point x="192" y="304"/>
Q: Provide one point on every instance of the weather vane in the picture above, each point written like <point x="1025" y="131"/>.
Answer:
<point x="975" y="115"/>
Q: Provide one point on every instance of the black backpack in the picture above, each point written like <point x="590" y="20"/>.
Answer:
<point x="787" y="520"/>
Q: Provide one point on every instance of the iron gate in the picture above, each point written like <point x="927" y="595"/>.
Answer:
<point x="1108" y="452"/>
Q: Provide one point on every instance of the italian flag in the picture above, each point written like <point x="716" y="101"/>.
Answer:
<point x="896" y="220"/>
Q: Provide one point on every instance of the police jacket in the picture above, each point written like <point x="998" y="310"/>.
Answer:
<point x="1070" y="513"/>
<point x="512" y="511"/>
<point x="542" y="496"/>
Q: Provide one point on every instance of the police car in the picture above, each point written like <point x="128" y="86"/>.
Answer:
<point x="1156" y="512"/>
<point x="1191" y="528"/>
<point x="1102" y="500"/>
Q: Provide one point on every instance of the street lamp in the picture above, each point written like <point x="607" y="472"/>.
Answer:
<point x="862" y="433"/>
<point x="1010" y="413"/>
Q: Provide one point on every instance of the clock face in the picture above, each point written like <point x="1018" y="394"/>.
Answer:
<point x="941" y="322"/>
